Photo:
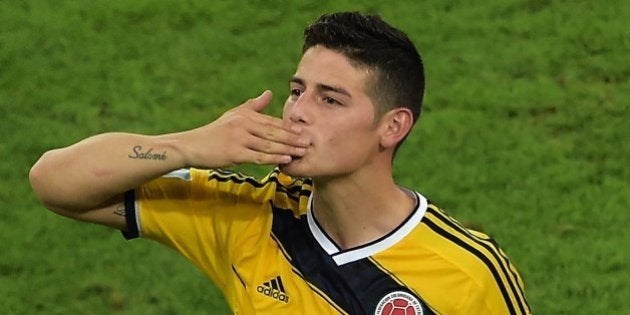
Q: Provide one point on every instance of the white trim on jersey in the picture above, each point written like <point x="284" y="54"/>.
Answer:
<point x="182" y="173"/>
<point x="346" y="256"/>
<point x="136" y="210"/>
<point x="319" y="235"/>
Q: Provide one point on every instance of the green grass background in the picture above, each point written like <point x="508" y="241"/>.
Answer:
<point x="525" y="133"/>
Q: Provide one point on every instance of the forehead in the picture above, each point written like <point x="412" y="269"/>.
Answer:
<point x="320" y="65"/>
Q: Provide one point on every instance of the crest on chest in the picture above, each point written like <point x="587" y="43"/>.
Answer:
<point x="399" y="303"/>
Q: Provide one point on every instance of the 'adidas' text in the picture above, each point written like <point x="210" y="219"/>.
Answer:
<point x="274" y="289"/>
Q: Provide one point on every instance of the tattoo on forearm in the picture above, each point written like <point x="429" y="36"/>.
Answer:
<point x="138" y="153"/>
<point x="120" y="210"/>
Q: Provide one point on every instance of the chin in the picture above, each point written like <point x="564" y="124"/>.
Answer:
<point x="291" y="170"/>
<point x="295" y="168"/>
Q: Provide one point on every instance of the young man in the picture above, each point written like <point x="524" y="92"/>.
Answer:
<point x="328" y="231"/>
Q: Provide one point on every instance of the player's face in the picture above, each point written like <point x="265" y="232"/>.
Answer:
<point x="328" y="99"/>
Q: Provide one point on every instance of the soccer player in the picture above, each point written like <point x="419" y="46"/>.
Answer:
<point x="328" y="231"/>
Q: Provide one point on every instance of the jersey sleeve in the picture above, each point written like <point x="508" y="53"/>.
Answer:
<point x="203" y="214"/>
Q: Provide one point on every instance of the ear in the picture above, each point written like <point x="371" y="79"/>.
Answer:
<point x="394" y="126"/>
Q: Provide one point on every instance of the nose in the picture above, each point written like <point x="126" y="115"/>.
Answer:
<point x="297" y="111"/>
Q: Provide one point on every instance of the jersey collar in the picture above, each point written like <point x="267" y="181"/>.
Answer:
<point x="342" y="257"/>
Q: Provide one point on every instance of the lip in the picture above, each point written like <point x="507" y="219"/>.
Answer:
<point x="295" y="158"/>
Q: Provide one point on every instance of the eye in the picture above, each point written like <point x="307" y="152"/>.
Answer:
<point x="331" y="101"/>
<point x="296" y="92"/>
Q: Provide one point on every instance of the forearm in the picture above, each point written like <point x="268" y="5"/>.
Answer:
<point x="91" y="172"/>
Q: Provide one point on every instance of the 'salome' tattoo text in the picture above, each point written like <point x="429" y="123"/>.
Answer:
<point x="148" y="155"/>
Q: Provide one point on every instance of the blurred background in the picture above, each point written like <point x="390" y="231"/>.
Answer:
<point x="524" y="133"/>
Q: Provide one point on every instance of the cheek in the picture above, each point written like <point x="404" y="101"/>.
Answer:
<point x="351" y="141"/>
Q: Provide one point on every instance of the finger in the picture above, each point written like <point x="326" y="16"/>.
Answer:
<point x="261" y="158"/>
<point x="276" y="148"/>
<point x="259" y="103"/>
<point x="270" y="121"/>
<point x="278" y="135"/>
<point x="265" y="119"/>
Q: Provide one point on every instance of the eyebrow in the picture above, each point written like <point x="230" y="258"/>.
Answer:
<point x="324" y="87"/>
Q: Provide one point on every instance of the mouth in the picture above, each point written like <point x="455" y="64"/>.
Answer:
<point x="296" y="158"/>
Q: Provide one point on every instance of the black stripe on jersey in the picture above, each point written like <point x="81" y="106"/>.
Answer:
<point x="294" y="192"/>
<point x="297" y="272"/>
<point x="478" y="254"/>
<point x="319" y="292"/>
<point x="501" y="259"/>
<point x="239" y="276"/>
<point x="356" y="287"/>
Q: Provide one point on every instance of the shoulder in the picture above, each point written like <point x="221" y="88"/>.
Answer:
<point x="474" y="252"/>
<point x="279" y="189"/>
<point x="290" y="193"/>
<point x="477" y="257"/>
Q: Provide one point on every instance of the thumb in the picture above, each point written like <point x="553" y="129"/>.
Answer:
<point x="259" y="103"/>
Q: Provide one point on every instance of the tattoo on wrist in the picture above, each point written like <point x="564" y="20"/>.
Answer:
<point x="139" y="154"/>
<point x="120" y="210"/>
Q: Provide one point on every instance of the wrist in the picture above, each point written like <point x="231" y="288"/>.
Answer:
<point x="173" y="152"/>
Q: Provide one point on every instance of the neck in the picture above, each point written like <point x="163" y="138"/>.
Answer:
<point x="356" y="209"/>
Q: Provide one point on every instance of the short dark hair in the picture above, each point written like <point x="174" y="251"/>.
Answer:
<point x="367" y="40"/>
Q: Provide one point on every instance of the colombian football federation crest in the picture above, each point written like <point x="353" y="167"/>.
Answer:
<point x="399" y="303"/>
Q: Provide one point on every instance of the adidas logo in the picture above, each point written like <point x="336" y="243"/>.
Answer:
<point x="274" y="289"/>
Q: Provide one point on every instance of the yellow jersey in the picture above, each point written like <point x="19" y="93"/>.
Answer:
<point x="260" y="244"/>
